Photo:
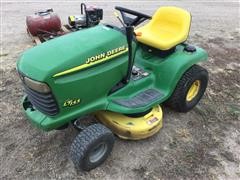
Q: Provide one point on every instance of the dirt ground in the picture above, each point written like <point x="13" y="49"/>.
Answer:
<point x="201" y="144"/>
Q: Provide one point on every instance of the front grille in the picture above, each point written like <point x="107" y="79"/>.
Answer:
<point x="44" y="102"/>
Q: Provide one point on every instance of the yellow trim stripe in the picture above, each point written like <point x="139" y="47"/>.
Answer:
<point x="84" y="66"/>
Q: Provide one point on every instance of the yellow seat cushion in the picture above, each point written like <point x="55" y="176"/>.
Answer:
<point x="168" y="27"/>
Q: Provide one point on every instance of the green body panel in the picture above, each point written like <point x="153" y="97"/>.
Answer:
<point x="164" y="76"/>
<point x="44" y="60"/>
<point x="93" y="84"/>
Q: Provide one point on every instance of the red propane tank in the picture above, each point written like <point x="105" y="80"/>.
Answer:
<point x="43" y="21"/>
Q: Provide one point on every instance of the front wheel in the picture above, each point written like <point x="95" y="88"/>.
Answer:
<point x="91" y="147"/>
<point x="189" y="90"/>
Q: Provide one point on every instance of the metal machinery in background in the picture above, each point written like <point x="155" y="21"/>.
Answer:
<point x="46" y="25"/>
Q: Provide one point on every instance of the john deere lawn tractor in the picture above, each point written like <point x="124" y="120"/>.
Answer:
<point x="121" y="75"/>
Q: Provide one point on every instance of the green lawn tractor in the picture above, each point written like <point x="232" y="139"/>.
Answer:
<point x="120" y="75"/>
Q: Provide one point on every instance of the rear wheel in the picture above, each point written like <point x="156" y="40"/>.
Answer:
<point x="91" y="147"/>
<point x="189" y="90"/>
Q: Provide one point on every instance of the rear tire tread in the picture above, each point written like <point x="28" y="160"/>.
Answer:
<point x="176" y="100"/>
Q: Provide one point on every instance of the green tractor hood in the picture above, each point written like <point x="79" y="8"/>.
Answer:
<point x="69" y="51"/>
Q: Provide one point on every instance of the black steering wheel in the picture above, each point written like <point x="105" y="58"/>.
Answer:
<point x="131" y="21"/>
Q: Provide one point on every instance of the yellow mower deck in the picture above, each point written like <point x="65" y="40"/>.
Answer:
<point x="132" y="128"/>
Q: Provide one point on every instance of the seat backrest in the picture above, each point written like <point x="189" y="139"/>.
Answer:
<point x="173" y="20"/>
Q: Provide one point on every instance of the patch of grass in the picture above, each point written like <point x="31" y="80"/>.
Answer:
<point x="234" y="109"/>
<point x="5" y="54"/>
<point x="140" y="170"/>
<point x="184" y="134"/>
<point x="228" y="155"/>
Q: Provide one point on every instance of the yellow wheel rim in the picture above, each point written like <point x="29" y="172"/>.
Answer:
<point x="193" y="91"/>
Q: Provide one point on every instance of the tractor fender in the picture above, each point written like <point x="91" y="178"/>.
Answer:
<point x="172" y="69"/>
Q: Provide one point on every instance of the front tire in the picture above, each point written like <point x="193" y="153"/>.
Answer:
<point x="189" y="90"/>
<point x="91" y="147"/>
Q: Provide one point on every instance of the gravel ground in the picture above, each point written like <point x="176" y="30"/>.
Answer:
<point x="201" y="144"/>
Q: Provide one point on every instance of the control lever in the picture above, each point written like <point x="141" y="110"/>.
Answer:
<point x="116" y="14"/>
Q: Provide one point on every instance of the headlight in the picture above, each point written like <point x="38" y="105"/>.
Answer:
<point x="37" y="86"/>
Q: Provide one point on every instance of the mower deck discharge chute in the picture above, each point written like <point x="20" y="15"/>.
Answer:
<point x="120" y="75"/>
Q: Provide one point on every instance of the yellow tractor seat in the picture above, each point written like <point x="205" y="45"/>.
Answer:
<point x="168" y="27"/>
